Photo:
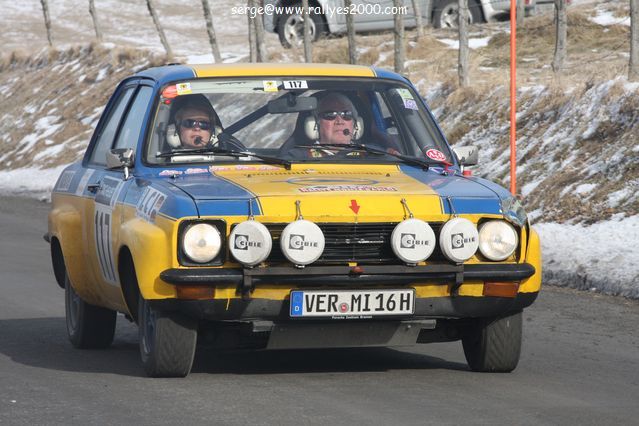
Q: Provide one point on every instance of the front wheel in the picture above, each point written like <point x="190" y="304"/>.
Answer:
<point x="290" y="28"/>
<point x="446" y="13"/>
<point x="493" y="344"/>
<point x="167" y="341"/>
<point x="88" y="326"/>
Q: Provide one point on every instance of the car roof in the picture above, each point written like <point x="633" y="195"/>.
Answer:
<point x="175" y="72"/>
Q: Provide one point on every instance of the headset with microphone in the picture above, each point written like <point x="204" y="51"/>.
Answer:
<point x="173" y="137"/>
<point x="197" y="102"/>
<point x="311" y="123"/>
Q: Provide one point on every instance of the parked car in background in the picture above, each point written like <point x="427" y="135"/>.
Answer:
<point x="285" y="17"/>
<point x="286" y="206"/>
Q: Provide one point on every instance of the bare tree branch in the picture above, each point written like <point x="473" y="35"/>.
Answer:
<point x="158" y="26"/>
<point x="350" y="30"/>
<point x="96" y="23"/>
<point x="462" y="67"/>
<point x="262" y="54"/>
<point x="561" y="32"/>
<point x="47" y="21"/>
<point x="633" y="73"/>
<point x="211" y="31"/>
<point x="521" y="12"/>
<point x="308" y="52"/>
<point x="400" y="50"/>
<point x="251" y="34"/>
<point x="418" y="18"/>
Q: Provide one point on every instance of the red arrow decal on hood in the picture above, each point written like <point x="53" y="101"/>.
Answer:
<point x="354" y="206"/>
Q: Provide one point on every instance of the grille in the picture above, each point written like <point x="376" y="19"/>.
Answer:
<point x="351" y="242"/>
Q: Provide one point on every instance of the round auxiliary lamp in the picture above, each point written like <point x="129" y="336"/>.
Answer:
<point x="302" y="242"/>
<point x="459" y="239"/>
<point x="250" y="243"/>
<point x="413" y="241"/>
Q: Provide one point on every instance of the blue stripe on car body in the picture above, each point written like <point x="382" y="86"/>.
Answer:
<point x="467" y="198"/>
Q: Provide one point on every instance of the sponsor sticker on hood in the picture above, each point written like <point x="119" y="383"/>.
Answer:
<point x="347" y="188"/>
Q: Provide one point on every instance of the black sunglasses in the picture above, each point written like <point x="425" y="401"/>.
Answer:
<point x="332" y="115"/>
<point x="189" y="124"/>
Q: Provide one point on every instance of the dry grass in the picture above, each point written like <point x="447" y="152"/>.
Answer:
<point x="334" y="51"/>
<point x="619" y="10"/>
<point x="594" y="52"/>
<point x="69" y="93"/>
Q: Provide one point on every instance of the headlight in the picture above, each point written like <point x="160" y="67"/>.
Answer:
<point x="201" y="242"/>
<point x="497" y="239"/>
<point x="250" y="242"/>
<point x="458" y="239"/>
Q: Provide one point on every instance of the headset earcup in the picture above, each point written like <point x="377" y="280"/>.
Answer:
<point x="216" y="131"/>
<point x="358" y="128"/>
<point x="311" y="128"/>
<point x="172" y="137"/>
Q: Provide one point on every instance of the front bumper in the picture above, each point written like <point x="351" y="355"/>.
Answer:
<point x="278" y="310"/>
<point x="348" y="275"/>
<point x="254" y="308"/>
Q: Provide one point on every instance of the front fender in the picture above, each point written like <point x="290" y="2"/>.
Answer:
<point x="533" y="257"/>
<point x="152" y="249"/>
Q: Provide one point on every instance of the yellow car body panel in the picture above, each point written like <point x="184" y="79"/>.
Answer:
<point x="153" y="246"/>
<point x="533" y="257"/>
<point x="71" y="222"/>
<point x="282" y="70"/>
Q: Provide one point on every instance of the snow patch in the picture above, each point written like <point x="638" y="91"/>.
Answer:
<point x="585" y="188"/>
<point x="606" y="18"/>
<point x="616" y="197"/>
<point x="31" y="181"/>
<point x="473" y="43"/>
<point x="585" y="255"/>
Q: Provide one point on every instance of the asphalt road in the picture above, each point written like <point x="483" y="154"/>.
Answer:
<point x="580" y="365"/>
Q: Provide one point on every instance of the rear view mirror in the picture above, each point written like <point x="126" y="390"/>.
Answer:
<point x="291" y="103"/>
<point x="467" y="155"/>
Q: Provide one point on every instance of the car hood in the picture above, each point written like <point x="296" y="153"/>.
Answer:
<point x="334" y="191"/>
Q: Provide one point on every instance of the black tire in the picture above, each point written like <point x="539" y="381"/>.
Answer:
<point x="290" y="28"/>
<point x="88" y="326"/>
<point x="494" y="344"/>
<point x="446" y="13"/>
<point x="167" y="341"/>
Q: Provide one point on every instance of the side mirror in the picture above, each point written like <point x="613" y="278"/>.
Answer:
<point x="467" y="155"/>
<point x="120" y="158"/>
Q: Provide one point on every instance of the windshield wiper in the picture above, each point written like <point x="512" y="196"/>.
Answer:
<point x="371" y="150"/>
<point x="228" y="152"/>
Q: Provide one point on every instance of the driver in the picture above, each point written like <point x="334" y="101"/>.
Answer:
<point x="194" y="121"/>
<point x="336" y="119"/>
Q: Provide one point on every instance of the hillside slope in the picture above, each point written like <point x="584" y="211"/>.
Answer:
<point x="577" y="149"/>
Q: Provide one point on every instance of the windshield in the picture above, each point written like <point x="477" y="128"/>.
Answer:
<point x="293" y="120"/>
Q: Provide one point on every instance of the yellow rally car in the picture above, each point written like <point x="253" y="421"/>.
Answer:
<point x="286" y="206"/>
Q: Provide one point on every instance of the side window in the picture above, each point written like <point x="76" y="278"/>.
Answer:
<point x="130" y="130"/>
<point x="105" y="138"/>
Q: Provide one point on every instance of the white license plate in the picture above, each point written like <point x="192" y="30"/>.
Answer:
<point x="351" y="303"/>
